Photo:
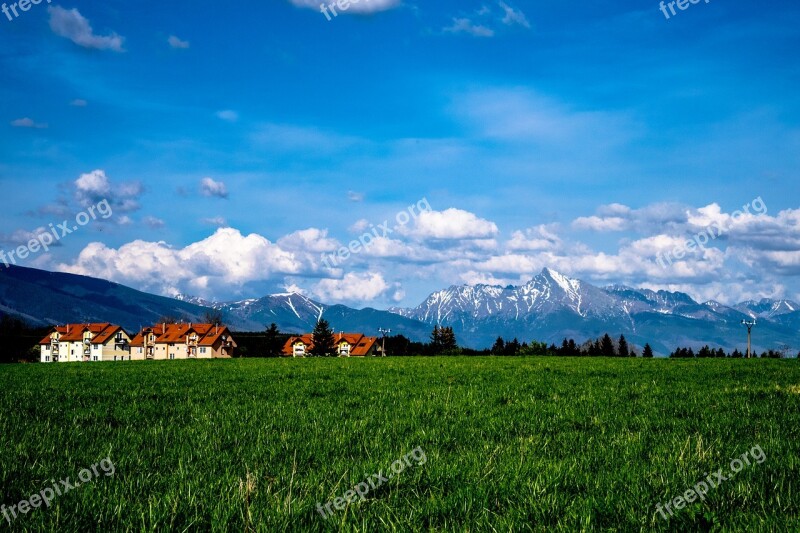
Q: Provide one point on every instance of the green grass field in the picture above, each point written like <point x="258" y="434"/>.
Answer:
<point x="510" y="444"/>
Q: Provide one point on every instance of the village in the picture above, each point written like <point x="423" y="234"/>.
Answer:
<point x="98" y="342"/>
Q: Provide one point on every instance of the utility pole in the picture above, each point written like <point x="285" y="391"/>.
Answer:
<point x="749" y="325"/>
<point x="383" y="332"/>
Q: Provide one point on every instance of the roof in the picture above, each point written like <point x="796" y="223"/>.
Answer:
<point x="359" y="343"/>
<point x="101" y="332"/>
<point x="207" y="334"/>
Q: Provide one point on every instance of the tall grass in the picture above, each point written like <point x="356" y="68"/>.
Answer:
<point x="511" y="443"/>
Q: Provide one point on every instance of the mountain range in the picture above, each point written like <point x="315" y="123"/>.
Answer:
<point x="548" y="308"/>
<point x="551" y="307"/>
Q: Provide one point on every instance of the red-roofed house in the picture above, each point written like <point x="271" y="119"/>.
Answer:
<point x="345" y="345"/>
<point x="183" y="341"/>
<point x="85" y="342"/>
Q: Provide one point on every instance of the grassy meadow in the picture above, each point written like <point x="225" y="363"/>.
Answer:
<point x="510" y="444"/>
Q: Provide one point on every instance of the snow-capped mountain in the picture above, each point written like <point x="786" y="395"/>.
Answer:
<point x="552" y="306"/>
<point x="296" y="313"/>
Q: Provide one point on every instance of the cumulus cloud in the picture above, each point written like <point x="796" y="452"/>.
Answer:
<point x="352" y="287"/>
<point x="226" y="258"/>
<point x="94" y="187"/>
<point x="450" y="245"/>
<point x="541" y="237"/>
<point x="618" y="217"/>
<point x="22" y="236"/>
<point x="311" y="240"/>
<point x="27" y="123"/>
<point x="452" y="224"/>
<point x="177" y="43"/>
<point x="70" y="24"/>
<point x="211" y="188"/>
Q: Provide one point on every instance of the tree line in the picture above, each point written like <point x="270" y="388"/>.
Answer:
<point x="707" y="351"/>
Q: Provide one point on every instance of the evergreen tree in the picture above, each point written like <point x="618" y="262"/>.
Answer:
<point x="436" y="340"/>
<point x="513" y="347"/>
<point x="499" y="347"/>
<point x="272" y="341"/>
<point x="572" y="348"/>
<point x="648" y="351"/>
<point x="448" y="339"/>
<point x="323" y="339"/>
<point x="622" y="349"/>
<point x="607" y="346"/>
<point x="564" y="350"/>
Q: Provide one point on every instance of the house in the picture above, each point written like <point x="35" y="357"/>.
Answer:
<point x="85" y="342"/>
<point x="345" y="345"/>
<point x="183" y="341"/>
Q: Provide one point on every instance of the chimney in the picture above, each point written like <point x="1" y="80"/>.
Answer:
<point x="163" y="328"/>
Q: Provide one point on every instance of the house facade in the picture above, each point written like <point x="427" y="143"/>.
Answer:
<point x="345" y="345"/>
<point x="74" y="343"/>
<point x="183" y="341"/>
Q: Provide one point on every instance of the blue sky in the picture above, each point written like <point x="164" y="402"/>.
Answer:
<point x="238" y="144"/>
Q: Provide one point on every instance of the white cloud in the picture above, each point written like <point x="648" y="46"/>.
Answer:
<point x="226" y="258"/>
<point x="351" y="288"/>
<point x="153" y="222"/>
<point x="359" y="7"/>
<point x="312" y="240"/>
<point x="95" y="186"/>
<point x="177" y="43"/>
<point x="228" y="115"/>
<point x="654" y="217"/>
<point x="465" y="25"/>
<point x="354" y="196"/>
<point x="514" y="16"/>
<point x="359" y="226"/>
<point x="217" y="221"/>
<point x="27" y="123"/>
<point x="79" y="102"/>
<point x="70" y="24"/>
<point x="595" y="223"/>
<point x="211" y="188"/>
<point x="452" y="224"/>
<point x="541" y="237"/>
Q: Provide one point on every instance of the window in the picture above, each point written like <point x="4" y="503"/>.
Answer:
<point x="202" y="349"/>
<point x="172" y="356"/>
<point x="46" y="358"/>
